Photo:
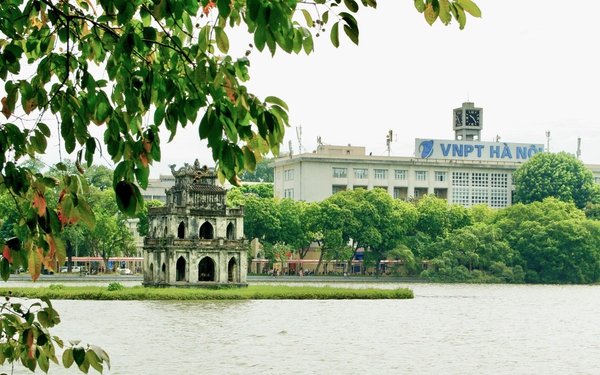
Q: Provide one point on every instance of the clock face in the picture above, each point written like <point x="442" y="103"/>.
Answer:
<point x="472" y="118"/>
<point x="458" y="118"/>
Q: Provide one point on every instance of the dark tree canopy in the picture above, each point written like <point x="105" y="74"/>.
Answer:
<point x="559" y="175"/>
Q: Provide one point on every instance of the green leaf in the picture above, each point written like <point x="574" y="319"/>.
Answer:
<point x="460" y="15"/>
<point x="276" y="100"/>
<point x="90" y="149"/>
<point x="253" y="9"/>
<point x="87" y="214"/>
<point x="420" y="5"/>
<point x="445" y="15"/>
<point x="222" y="39"/>
<point x="44" y="129"/>
<point x="470" y="7"/>
<point x="430" y="14"/>
<point x="43" y="360"/>
<point x="93" y="360"/>
<point x="142" y="174"/>
<point x="335" y="35"/>
<point x="351" y="5"/>
<point x="67" y="358"/>
<point x="4" y="269"/>
<point x="224" y="7"/>
<point x="249" y="159"/>
<point x="352" y="33"/>
<point x="260" y="38"/>
<point x="159" y="114"/>
<point x="308" y="18"/>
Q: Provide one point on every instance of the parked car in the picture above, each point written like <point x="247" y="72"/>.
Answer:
<point x="64" y="269"/>
<point x="125" y="271"/>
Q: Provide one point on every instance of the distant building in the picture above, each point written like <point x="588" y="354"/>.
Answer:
<point x="157" y="188"/>
<point x="464" y="170"/>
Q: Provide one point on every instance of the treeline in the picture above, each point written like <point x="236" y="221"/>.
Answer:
<point x="109" y="237"/>
<point x="541" y="242"/>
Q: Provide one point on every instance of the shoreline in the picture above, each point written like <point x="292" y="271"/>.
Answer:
<point x="251" y="279"/>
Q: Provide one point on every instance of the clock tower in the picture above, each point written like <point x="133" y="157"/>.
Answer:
<point x="467" y="122"/>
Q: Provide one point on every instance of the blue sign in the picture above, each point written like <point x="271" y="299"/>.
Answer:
<point x="483" y="151"/>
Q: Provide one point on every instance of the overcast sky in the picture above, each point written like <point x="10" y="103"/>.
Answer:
<point x="532" y="66"/>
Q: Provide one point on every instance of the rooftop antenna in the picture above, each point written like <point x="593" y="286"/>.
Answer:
<point x="548" y="141"/>
<point x="578" y="148"/>
<point x="497" y="138"/>
<point x="290" y="148"/>
<point x="299" y="135"/>
<point x="389" y="138"/>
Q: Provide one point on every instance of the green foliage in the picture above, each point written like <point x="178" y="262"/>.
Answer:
<point x="115" y="286"/>
<point x="237" y="195"/>
<point x="26" y="338"/>
<point x="262" y="173"/>
<point x="250" y="293"/>
<point x="142" y="225"/>
<point x="560" y="175"/>
<point x="446" y="10"/>
<point x="56" y="287"/>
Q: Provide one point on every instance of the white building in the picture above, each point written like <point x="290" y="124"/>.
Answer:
<point x="464" y="170"/>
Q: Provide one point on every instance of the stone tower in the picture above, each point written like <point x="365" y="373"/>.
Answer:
<point x="195" y="240"/>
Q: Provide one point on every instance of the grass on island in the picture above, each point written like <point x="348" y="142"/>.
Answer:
<point x="116" y="291"/>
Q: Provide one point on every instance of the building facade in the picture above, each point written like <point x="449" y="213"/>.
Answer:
<point x="464" y="170"/>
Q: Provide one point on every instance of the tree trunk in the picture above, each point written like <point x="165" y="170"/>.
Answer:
<point x="69" y="256"/>
<point x="320" y="261"/>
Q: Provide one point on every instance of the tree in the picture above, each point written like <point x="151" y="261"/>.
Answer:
<point x="560" y="175"/>
<point x="554" y="240"/>
<point x="262" y="173"/>
<point x="396" y="218"/>
<point x="162" y="64"/>
<point x="433" y="216"/>
<point x="142" y="225"/>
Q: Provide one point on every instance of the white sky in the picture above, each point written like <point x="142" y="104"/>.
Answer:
<point x="532" y="66"/>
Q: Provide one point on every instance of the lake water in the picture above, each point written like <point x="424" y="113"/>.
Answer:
<point x="445" y="329"/>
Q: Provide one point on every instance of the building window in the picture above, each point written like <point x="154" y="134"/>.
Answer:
<point x="288" y="193"/>
<point x="360" y="173"/>
<point x="499" y="180"/>
<point x="440" y="176"/>
<point x="498" y="198"/>
<point x="416" y="195"/>
<point x="288" y="174"/>
<point x="421" y="175"/>
<point x="381" y="174"/>
<point x="337" y="188"/>
<point x="461" y="196"/>
<point x="339" y="172"/>
<point x="460" y="178"/>
<point x="597" y="180"/>
<point x="480" y="179"/>
<point x="479" y="196"/>
<point x="400" y="174"/>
